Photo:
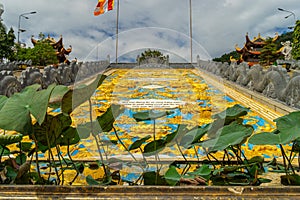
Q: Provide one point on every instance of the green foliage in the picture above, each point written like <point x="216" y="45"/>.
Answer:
<point x="282" y="38"/>
<point x="137" y="144"/>
<point x="151" y="54"/>
<point x="150" y="115"/>
<point x="73" y="98"/>
<point x="153" y="178"/>
<point x="10" y="139"/>
<point x="172" y="176"/>
<point x="296" y="41"/>
<point x="230" y="135"/>
<point x="6" y="43"/>
<point x="288" y="36"/>
<point x="226" y="57"/>
<point x="17" y="110"/>
<point x="288" y="130"/>
<point x="41" y="54"/>
<point x="269" y="53"/>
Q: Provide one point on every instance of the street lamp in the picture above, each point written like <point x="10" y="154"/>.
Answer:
<point x="19" y="23"/>
<point x="291" y="13"/>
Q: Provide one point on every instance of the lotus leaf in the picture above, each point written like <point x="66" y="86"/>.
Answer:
<point x="154" y="146"/>
<point x="181" y="130"/>
<point x="138" y="143"/>
<point x="288" y="130"/>
<point x="103" y="123"/>
<point x="232" y="113"/>
<point x="172" y="177"/>
<point x="150" y="115"/>
<point x="194" y="135"/>
<point x="3" y="100"/>
<point x="51" y="129"/>
<point x="73" y="98"/>
<point x="230" y="135"/>
<point x="10" y="139"/>
<point x="153" y="178"/>
<point x="15" y="113"/>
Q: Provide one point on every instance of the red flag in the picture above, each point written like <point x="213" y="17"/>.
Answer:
<point x="110" y="4"/>
<point x="103" y="6"/>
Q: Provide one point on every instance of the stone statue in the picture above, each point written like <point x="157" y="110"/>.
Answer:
<point x="287" y="50"/>
<point x="1" y="11"/>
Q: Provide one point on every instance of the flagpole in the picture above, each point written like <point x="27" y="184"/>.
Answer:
<point x="191" y="30"/>
<point x="117" y="30"/>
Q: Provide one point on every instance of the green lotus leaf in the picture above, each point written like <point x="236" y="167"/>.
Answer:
<point x="194" y="135"/>
<point x="75" y="97"/>
<point x="172" y="176"/>
<point x="69" y="137"/>
<point x="150" y="115"/>
<point x="52" y="129"/>
<point x="154" y="147"/>
<point x="3" y="100"/>
<point x="267" y="138"/>
<point x="15" y="113"/>
<point x="138" y="143"/>
<point x="10" y="139"/>
<point x="232" y="113"/>
<point x="107" y="119"/>
<point x="153" y="178"/>
<point x="103" y="123"/>
<point x="288" y="130"/>
<point x="230" y="135"/>
<point x="289" y="126"/>
<point x="172" y="137"/>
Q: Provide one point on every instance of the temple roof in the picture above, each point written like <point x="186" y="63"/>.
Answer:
<point x="56" y="44"/>
<point x="61" y="52"/>
<point x="252" y="46"/>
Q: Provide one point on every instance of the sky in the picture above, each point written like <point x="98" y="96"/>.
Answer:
<point x="217" y="26"/>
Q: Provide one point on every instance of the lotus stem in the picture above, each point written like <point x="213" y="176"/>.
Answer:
<point x="62" y="173"/>
<point x="96" y="139"/>
<point x="124" y="146"/>
<point x="288" y="160"/>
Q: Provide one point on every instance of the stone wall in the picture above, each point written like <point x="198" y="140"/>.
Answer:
<point x="62" y="74"/>
<point x="274" y="82"/>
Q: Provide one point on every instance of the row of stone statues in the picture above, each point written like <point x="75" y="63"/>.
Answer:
<point x="62" y="74"/>
<point x="273" y="82"/>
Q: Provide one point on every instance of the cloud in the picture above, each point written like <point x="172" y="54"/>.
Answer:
<point x="217" y="25"/>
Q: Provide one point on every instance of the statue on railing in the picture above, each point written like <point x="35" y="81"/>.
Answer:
<point x="152" y="57"/>
<point x="287" y="50"/>
<point x="1" y="11"/>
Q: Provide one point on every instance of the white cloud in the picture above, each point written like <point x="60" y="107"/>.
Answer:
<point x="217" y="24"/>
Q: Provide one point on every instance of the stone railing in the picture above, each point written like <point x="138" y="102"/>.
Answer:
<point x="274" y="82"/>
<point x="151" y="61"/>
<point x="63" y="74"/>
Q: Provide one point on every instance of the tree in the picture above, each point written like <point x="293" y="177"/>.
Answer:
<point x="41" y="54"/>
<point x="151" y="54"/>
<point x="6" y="43"/>
<point x="296" y="41"/>
<point x="269" y="53"/>
<point x="226" y="57"/>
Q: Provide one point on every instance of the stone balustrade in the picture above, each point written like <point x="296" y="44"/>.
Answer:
<point x="62" y="74"/>
<point x="274" y="82"/>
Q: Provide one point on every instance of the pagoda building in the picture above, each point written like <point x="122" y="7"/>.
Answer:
<point x="58" y="46"/>
<point x="252" y="49"/>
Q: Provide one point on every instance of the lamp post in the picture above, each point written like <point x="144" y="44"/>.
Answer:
<point x="19" y="23"/>
<point x="291" y="13"/>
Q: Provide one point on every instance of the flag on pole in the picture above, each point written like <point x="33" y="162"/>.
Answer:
<point x="103" y="6"/>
